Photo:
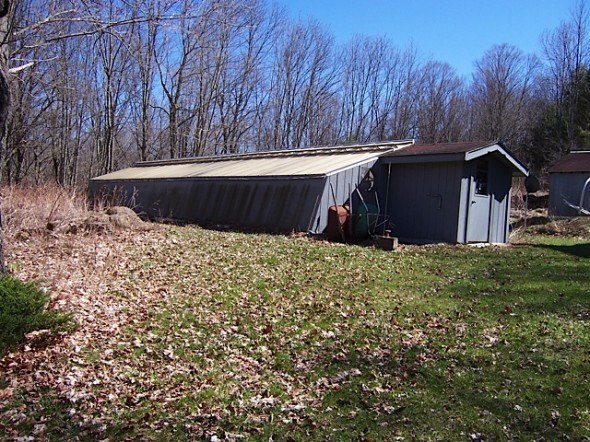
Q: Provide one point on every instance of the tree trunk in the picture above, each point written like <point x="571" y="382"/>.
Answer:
<point x="4" y="111"/>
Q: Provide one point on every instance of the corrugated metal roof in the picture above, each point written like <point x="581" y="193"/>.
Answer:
<point x="574" y="162"/>
<point x="301" y="162"/>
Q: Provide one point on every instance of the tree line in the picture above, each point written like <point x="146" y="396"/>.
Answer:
<point x="99" y="85"/>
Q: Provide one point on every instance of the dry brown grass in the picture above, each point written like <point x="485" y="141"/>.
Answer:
<point x="51" y="208"/>
<point x="41" y="207"/>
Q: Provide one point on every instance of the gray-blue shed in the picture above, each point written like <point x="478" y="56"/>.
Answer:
<point x="455" y="192"/>
<point x="566" y="181"/>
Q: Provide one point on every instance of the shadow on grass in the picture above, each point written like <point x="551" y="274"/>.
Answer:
<point x="581" y="250"/>
<point x="535" y="278"/>
<point x="503" y="391"/>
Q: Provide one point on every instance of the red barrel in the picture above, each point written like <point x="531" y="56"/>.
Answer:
<point x="338" y="219"/>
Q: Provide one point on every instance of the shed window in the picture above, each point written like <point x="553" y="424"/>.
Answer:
<point x="481" y="178"/>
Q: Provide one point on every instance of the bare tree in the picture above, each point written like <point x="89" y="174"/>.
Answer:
<point x="4" y="54"/>
<point x="300" y="86"/>
<point x="4" y="107"/>
<point x="363" y="62"/>
<point x="567" y="53"/>
<point x="63" y="126"/>
<point x="378" y="90"/>
<point x="143" y="46"/>
<point x="440" y="104"/>
<point x="501" y="95"/>
<point x="239" y="98"/>
<point x="184" y="85"/>
<point x="54" y="48"/>
<point x="113" y="60"/>
<point x="401" y="95"/>
<point x="27" y="95"/>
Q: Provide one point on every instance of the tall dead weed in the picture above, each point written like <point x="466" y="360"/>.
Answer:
<point x="53" y="209"/>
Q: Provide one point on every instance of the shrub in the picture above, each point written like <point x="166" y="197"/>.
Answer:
<point x="23" y="310"/>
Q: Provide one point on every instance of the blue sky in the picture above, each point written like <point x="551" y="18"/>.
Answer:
<point x="455" y="31"/>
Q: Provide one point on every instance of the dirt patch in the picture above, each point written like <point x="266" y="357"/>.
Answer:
<point x="540" y="223"/>
<point x="519" y="219"/>
<point x="111" y="219"/>
<point x="575" y="227"/>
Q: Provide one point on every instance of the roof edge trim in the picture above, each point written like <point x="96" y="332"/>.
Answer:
<point x="498" y="148"/>
<point x="379" y="147"/>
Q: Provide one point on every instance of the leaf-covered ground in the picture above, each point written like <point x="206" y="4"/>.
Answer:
<point x="188" y="334"/>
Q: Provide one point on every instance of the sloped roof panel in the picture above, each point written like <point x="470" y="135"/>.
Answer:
<point x="464" y="151"/>
<point x="317" y="161"/>
<point x="574" y="162"/>
<point x="307" y="165"/>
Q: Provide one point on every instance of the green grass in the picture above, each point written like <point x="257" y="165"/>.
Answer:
<point x="289" y="339"/>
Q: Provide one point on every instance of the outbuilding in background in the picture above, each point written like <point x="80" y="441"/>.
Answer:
<point x="566" y="182"/>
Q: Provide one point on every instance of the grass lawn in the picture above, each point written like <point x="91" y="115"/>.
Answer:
<point x="189" y="334"/>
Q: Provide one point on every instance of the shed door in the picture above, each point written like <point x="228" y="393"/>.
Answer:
<point x="478" y="212"/>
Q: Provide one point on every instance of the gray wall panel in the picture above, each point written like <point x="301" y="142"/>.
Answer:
<point x="341" y="185"/>
<point x="424" y="200"/>
<point x="568" y="186"/>
<point x="429" y="201"/>
<point x="271" y="205"/>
